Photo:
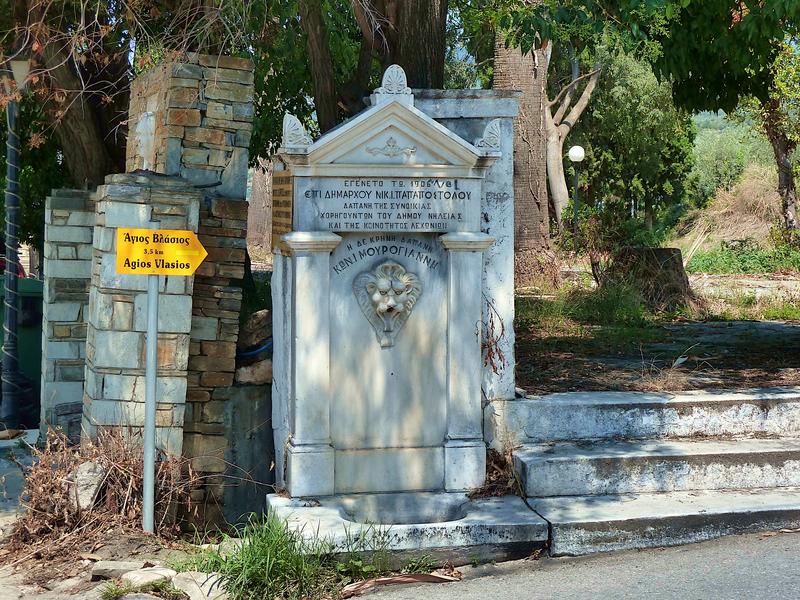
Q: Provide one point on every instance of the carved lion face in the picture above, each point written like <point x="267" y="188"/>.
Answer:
<point x="387" y="296"/>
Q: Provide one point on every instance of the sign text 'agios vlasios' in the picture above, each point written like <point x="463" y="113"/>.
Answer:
<point x="158" y="252"/>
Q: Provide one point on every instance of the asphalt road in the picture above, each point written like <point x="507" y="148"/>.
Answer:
<point x="748" y="567"/>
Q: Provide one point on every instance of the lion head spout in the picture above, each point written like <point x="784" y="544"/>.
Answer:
<point x="387" y="295"/>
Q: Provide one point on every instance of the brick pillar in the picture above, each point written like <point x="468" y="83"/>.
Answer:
<point x="69" y="221"/>
<point x="114" y="391"/>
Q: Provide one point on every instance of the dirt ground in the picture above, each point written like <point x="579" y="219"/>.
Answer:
<point x="675" y="356"/>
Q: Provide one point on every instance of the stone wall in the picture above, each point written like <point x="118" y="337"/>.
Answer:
<point x="216" y="303"/>
<point x="69" y="221"/>
<point x="114" y="390"/>
<point x="194" y="119"/>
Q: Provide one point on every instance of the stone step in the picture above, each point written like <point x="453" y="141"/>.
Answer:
<point x="645" y="415"/>
<point x="615" y="467"/>
<point x="589" y="524"/>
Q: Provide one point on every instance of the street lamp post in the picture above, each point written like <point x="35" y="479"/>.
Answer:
<point x="576" y="155"/>
<point x="11" y="415"/>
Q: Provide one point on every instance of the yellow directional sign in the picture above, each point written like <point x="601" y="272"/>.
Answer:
<point x="158" y="252"/>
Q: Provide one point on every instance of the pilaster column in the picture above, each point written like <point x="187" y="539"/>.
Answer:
<point x="309" y="466"/>
<point x="464" y="451"/>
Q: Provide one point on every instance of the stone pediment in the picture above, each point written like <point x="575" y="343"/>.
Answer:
<point x="390" y="133"/>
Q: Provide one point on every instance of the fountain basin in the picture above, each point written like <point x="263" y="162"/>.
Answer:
<point x="446" y="526"/>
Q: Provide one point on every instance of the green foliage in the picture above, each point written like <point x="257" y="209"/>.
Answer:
<point x="722" y="150"/>
<point x="41" y="169"/>
<point x="745" y="37"/>
<point x="638" y="157"/>
<point x="745" y="256"/>
<point x="631" y="25"/>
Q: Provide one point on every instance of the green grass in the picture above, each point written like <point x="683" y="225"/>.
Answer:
<point x="273" y="561"/>
<point x="745" y="257"/>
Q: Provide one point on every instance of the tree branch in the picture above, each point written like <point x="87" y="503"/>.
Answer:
<point x="583" y="101"/>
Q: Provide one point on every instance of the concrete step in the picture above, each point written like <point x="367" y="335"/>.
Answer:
<point x="589" y="524"/>
<point x="616" y="467"/>
<point x="645" y="415"/>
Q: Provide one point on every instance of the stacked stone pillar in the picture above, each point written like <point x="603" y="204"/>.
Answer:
<point x="69" y="222"/>
<point x="115" y="387"/>
<point x="193" y="119"/>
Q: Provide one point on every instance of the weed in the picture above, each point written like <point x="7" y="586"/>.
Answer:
<point x="272" y="561"/>
<point x="114" y="591"/>
<point x="365" y="553"/>
<point x="164" y="589"/>
<point x="420" y="564"/>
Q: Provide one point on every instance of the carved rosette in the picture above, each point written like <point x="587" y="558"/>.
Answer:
<point x="294" y="134"/>
<point x="387" y="296"/>
<point x="394" y="81"/>
<point x="492" y="136"/>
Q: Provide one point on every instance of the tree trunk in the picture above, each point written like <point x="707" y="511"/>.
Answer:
<point x="559" y="192"/>
<point x="325" y="95"/>
<point x="526" y="73"/>
<point x="89" y="154"/>
<point x="421" y="41"/>
<point x="782" y="147"/>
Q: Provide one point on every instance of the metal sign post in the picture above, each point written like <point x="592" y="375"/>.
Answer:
<point x="155" y="252"/>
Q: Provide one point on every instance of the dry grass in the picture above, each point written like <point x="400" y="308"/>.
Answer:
<point x="501" y="479"/>
<point x="52" y="530"/>
<point x="749" y="210"/>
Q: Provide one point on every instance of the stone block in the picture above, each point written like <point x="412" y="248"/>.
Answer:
<point x="243" y="138"/>
<point x="174" y="313"/>
<point x="103" y="238"/>
<point x="225" y="62"/>
<point x="233" y="92"/>
<point x="173" y="352"/>
<point x="204" y="328"/>
<point x="122" y="316"/>
<point x="70" y="269"/>
<point x="187" y="117"/>
<point x="183" y="97"/>
<point x="113" y="569"/>
<point x="228" y="125"/>
<point x="220" y="349"/>
<point x="234" y="177"/>
<point x="73" y="372"/>
<point x="118" y="349"/>
<point x="124" y="214"/>
<point x="213" y="379"/>
<point x="70" y="350"/>
<point x="62" y="311"/>
<point x="232" y="75"/>
<point x="67" y="252"/>
<point x="243" y="112"/>
<point x="227" y="208"/>
<point x="185" y="71"/>
<point x="218" y="158"/>
<point x="81" y="218"/>
<point x="217" y="110"/>
<point x="66" y="233"/>
<point x="206" y="135"/>
<point x="207" y="363"/>
<point x="195" y="156"/>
